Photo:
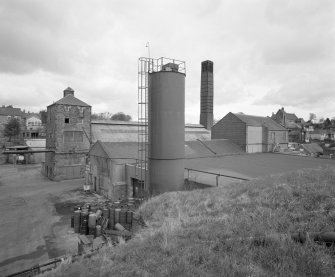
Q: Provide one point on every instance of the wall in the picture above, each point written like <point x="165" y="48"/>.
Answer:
<point x="109" y="177"/>
<point x="69" y="159"/>
<point x="277" y="137"/>
<point x="230" y="127"/>
<point x="254" y="139"/>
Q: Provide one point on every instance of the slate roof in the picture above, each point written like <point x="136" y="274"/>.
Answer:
<point x="70" y="100"/>
<point x="11" y="111"/>
<point x="259" y="121"/>
<point x="291" y="116"/>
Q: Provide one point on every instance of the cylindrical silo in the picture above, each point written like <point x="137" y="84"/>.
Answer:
<point x="166" y="130"/>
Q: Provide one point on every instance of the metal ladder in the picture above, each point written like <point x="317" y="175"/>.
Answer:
<point x="142" y="166"/>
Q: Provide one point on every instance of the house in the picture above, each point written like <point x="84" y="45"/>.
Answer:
<point x="291" y="122"/>
<point x="7" y="113"/>
<point x="33" y="128"/>
<point x="251" y="133"/>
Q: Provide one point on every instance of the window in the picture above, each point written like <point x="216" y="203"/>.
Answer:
<point x="272" y="135"/>
<point x="67" y="120"/>
<point x="73" y="136"/>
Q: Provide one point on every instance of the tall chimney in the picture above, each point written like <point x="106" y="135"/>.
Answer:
<point x="68" y="91"/>
<point x="206" y="94"/>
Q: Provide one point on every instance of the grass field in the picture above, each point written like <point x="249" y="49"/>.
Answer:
<point x="240" y="229"/>
<point x="251" y="165"/>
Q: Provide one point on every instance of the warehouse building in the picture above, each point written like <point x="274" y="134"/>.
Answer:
<point x="252" y="133"/>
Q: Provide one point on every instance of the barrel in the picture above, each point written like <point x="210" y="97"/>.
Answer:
<point x="111" y="218"/>
<point x="117" y="215"/>
<point x="123" y="216"/>
<point x="129" y="217"/>
<point x="119" y="227"/>
<point x="91" y="231"/>
<point x="98" y="213"/>
<point x="98" y="230"/>
<point x="76" y="221"/>
<point x="105" y="212"/>
<point x="92" y="220"/>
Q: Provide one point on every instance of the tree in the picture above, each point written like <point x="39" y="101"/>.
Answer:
<point x="121" y="117"/>
<point x="327" y="123"/>
<point x="101" y="116"/>
<point x="312" y="116"/>
<point x="43" y="115"/>
<point x="12" y="128"/>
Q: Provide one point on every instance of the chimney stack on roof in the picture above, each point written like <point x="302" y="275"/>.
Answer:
<point x="68" y="91"/>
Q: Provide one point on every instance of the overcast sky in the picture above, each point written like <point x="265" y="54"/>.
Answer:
<point x="267" y="54"/>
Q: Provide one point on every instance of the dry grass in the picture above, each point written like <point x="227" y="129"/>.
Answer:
<point x="212" y="232"/>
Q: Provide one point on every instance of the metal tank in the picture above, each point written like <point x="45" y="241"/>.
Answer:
<point x="166" y="103"/>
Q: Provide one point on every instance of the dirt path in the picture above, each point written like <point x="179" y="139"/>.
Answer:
<point x="35" y="223"/>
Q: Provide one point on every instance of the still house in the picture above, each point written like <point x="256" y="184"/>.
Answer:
<point x="68" y="136"/>
<point x="251" y="133"/>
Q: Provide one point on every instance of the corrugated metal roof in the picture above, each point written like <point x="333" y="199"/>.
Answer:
<point x="120" y="131"/>
<point x="252" y="120"/>
<point x="193" y="149"/>
<point x="70" y="100"/>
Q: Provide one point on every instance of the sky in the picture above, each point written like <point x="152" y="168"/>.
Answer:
<point x="267" y="54"/>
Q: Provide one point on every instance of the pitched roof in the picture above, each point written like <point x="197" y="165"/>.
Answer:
<point x="291" y="116"/>
<point x="260" y="121"/>
<point x="11" y="111"/>
<point x="122" y="131"/>
<point x="312" y="148"/>
<point x="119" y="150"/>
<point x="70" y="100"/>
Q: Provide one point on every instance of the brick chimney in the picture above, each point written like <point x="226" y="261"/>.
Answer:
<point x="68" y="91"/>
<point x="206" y="94"/>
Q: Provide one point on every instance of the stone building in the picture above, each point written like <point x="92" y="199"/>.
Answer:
<point x="68" y="135"/>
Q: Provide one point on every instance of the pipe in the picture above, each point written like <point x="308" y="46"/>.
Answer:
<point x="321" y="237"/>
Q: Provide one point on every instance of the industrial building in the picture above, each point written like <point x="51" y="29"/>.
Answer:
<point x="68" y="136"/>
<point x="252" y="133"/>
<point x="114" y="170"/>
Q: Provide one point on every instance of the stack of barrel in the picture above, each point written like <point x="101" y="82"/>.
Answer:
<point x="92" y="219"/>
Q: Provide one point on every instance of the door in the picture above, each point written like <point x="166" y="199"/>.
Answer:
<point x="138" y="188"/>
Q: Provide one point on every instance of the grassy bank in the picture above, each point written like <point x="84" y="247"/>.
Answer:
<point x="238" y="230"/>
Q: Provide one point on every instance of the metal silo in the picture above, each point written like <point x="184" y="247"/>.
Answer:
<point x="166" y="103"/>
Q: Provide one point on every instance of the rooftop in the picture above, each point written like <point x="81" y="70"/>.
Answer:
<point x="252" y="120"/>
